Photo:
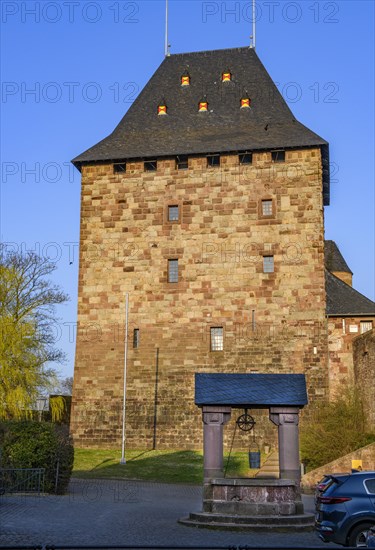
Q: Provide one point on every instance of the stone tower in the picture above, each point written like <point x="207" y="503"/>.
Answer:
<point x="206" y="205"/>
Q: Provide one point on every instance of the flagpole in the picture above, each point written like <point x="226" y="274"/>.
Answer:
<point x="252" y="37"/>
<point x="166" y="45"/>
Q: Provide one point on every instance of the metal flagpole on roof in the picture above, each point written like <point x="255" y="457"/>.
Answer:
<point x="252" y="37"/>
<point x="123" y="460"/>
<point x="166" y="46"/>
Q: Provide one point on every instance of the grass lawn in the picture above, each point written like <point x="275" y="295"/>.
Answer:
<point x="166" y="466"/>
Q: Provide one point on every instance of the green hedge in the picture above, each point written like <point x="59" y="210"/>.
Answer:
<point x="28" y="444"/>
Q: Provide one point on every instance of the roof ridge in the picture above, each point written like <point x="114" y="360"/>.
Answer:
<point x="239" y="48"/>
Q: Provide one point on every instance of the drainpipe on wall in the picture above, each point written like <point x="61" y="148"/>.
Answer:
<point x="123" y="460"/>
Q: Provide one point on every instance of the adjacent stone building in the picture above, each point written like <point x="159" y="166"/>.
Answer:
<point x="349" y="314"/>
<point x="205" y="205"/>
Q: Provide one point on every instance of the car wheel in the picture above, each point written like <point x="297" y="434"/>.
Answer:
<point x="357" y="537"/>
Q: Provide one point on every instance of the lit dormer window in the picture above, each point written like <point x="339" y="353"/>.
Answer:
<point x="245" y="103"/>
<point x="203" y="106"/>
<point x="185" y="79"/>
<point x="226" y="76"/>
<point x="162" y="109"/>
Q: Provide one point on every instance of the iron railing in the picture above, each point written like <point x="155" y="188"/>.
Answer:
<point x="22" y="480"/>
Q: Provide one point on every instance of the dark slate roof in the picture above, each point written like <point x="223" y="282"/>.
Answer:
<point x="240" y="390"/>
<point x="334" y="260"/>
<point x="269" y="124"/>
<point x="342" y="299"/>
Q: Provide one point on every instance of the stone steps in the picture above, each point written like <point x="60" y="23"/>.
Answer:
<point x="270" y="468"/>
<point x="303" y="522"/>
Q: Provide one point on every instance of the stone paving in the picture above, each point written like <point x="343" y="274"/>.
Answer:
<point x="112" y="512"/>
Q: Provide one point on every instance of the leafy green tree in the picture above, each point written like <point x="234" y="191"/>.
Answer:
<point x="27" y="316"/>
<point x="333" y="429"/>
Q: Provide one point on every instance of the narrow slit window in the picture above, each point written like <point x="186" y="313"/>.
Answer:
<point x="182" y="162"/>
<point x="172" y="271"/>
<point x="213" y="161"/>
<point x="173" y="213"/>
<point x="119" y="167"/>
<point x="151" y="165"/>
<point x="268" y="264"/>
<point x="136" y="338"/>
<point x="217" y="339"/>
<point x="278" y="156"/>
<point x="246" y="158"/>
<point x="267" y="207"/>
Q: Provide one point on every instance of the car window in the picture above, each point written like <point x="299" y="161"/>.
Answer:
<point x="329" y="484"/>
<point x="370" y="485"/>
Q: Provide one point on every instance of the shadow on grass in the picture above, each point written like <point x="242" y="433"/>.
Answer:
<point x="151" y="465"/>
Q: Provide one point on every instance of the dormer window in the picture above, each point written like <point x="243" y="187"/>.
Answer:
<point x="245" y="103"/>
<point x="203" y="106"/>
<point x="226" y="76"/>
<point x="162" y="109"/>
<point x="185" y="79"/>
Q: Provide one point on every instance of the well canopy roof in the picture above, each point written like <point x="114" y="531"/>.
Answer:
<point x="257" y="390"/>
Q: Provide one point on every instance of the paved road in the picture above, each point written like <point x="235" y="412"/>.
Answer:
<point x="124" y="513"/>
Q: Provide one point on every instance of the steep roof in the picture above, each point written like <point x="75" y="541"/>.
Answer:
<point x="342" y="299"/>
<point x="268" y="124"/>
<point x="239" y="390"/>
<point x="334" y="260"/>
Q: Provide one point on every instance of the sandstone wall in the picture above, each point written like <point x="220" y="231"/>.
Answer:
<point x="342" y="333"/>
<point x="364" y="373"/>
<point x="342" y="465"/>
<point x="273" y="322"/>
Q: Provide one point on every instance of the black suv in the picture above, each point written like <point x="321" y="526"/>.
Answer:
<point x="345" y="509"/>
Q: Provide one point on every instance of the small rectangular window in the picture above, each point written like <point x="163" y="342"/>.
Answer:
<point x="182" y="162"/>
<point x="366" y="326"/>
<point x="172" y="271"/>
<point x="136" y="338"/>
<point x="150" y="165"/>
<point x="119" y="167"/>
<point x="213" y="161"/>
<point x="268" y="264"/>
<point x="278" y="156"/>
<point x="246" y="158"/>
<point x="217" y="339"/>
<point x="173" y="214"/>
<point x="267" y="207"/>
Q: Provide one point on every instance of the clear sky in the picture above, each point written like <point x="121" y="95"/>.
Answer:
<point x="70" y="70"/>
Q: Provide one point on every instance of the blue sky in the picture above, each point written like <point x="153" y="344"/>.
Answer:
<point x="71" y="69"/>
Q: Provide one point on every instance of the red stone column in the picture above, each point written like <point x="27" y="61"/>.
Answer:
<point x="287" y="418"/>
<point x="214" y="418"/>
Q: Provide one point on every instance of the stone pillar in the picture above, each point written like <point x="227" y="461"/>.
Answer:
<point x="214" y="418"/>
<point x="286" y="418"/>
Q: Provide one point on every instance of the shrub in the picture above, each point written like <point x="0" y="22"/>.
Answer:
<point x="28" y="444"/>
<point x="334" y="429"/>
